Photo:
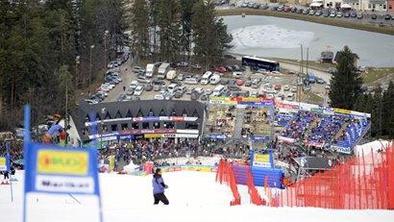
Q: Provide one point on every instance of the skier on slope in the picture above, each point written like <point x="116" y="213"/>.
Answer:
<point x="158" y="188"/>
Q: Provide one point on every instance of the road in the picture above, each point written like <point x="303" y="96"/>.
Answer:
<point x="126" y="74"/>
<point x="323" y="75"/>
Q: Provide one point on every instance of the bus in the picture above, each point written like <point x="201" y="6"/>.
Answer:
<point x="256" y="63"/>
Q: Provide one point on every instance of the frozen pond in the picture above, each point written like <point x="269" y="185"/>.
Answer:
<point x="279" y="37"/>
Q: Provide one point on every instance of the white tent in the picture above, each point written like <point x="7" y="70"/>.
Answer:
<point x="346" y="6"/>
<point x="316" y="4"/>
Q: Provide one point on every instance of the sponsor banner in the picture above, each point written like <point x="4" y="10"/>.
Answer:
<point x="96" y="136"/>
<point x="286" y="105"/>
<point x="63" y="184"/>
<point x="199" y="168"/>
<point x="186" y="135"/>
<point x="177" y="118"/>
<point x="153" y="135"/>
<point x="261" y="160"/>
<point x="190" y="119"/>
<point x="164" y="118"/>
<point x="261" y="138"/>
<point x="286" y="139"/>
<point x="315" y="144"/>
<point x="355" y="113"/>
<point x="342" y="111"/>
<point x="3" y="164"/>
<point x="62" y="163"/>
<point x="345" y="150"/>
<point x="169" y="135"/>
<point x="217" y="136"/>
<point x="187" y="131"/>
<point x="144" y="119"/>
<point x="55" y="169"/>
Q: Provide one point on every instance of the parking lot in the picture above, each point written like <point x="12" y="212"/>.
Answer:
<point x="348" y="14"/>
<point x="191" y="86"/>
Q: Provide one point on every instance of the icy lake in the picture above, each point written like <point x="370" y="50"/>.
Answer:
<point x="279" y="37"/>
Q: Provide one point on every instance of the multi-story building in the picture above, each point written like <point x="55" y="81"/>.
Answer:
<point x="356" y="4"/>
<point x="390" y="5"/>
<point x="374" y="5"/>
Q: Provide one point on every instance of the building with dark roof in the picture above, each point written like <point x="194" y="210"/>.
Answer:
<point x="139" y="119"/>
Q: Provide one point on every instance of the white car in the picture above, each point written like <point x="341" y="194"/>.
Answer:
<point x="90" y="101"/>
<point x="191" y="81"/>
<point x="133" y="84"/>
<point x="103" y="93"/>
<point x="198" y="90"/>
<point x="286" y="88"/>
<point x="293" y="89"/>
<point x="159" y="97"/>
<point x="208" y="91"/>
<point x="237" y="75"/>
<point x="204" y="81"/>
<point x="138" y="90"/>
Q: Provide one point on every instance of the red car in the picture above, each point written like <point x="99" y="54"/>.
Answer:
<point x="277" y="87"/>
<point x="220" y="69"/>
<point x="239" y="82"/>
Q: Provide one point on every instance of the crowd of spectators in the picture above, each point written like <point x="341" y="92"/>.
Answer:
<point x="140" y="151"/>
<point x="317" y="128"/>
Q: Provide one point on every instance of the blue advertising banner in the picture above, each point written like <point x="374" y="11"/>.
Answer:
<point x="55" y="169"/>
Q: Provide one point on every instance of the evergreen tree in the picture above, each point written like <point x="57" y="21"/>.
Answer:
<point x="186" y="22"/>
<point x="346" y="82"/>
<point x="388" y="111"/>
<point x="140" y="28"/>
<point x="169" y="30"/>
<point x="210" y="35"/>
<point x="377" y="112"/>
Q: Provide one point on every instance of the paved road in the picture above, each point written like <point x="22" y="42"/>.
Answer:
<point x="324" y="75"/>
<point x="126" y="74"/>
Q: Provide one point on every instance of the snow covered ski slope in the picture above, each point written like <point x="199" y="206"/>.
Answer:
<point x="193" y="196"/>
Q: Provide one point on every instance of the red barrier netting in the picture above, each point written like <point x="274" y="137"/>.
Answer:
<point x="225" y="174"/>
<point x="365" y="181"/>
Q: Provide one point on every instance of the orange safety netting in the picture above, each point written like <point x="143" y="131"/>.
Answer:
<point x="225" y="174"/>
<point x="366" y="181"/>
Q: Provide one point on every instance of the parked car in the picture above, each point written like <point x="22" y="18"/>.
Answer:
<point x="159" y="97"/>
<point x="333" y="14"/>
<point x="191" y="81"/>
<point x="240" y="82"/>
<point x="360" y="16"/>
<point x="339" y="15"/>
<point x="180" y="77"/>
<point x="143" y="79"/>
<point x="133" y="84"/>
<point x="194" y="96"/>
<point x="220" y="69"/>
<point x="374" y="16"/>
<point x="138" y="91"/>
<point x="353" y="14"/>
<point x="129" y="91"/>
<point x="346" y="15"/>
<point x="387" y="17"/>
<point x="318" y="13"/>
<point x="224" y="81"/>
<point x="248" y="83"/>
<point x="148" y="87"/>
<point x="233" y="88"/>
<point x="311" y="12"/>
<point x="237" y="75"/>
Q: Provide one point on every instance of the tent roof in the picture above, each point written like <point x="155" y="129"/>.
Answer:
<point x="346" y="6"/>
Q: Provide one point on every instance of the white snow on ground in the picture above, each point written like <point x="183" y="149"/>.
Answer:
<point x="269" y="36"/>
<point x="371" y="146"/>
<point x="193" y="196"/>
